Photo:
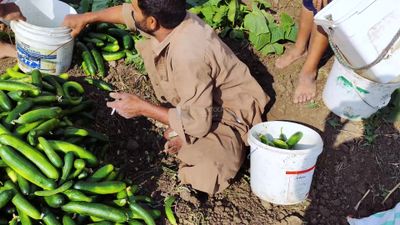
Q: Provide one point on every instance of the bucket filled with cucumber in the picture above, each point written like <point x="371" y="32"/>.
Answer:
<point x="283" y="157"/>
<point x="282" y="141"/>
<point x="49" y="168"/>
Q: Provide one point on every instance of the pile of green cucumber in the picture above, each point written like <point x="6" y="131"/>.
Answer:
<point x="282" y="141"/>
<point x="103" y="42"/>
<point x="49" y="172"/>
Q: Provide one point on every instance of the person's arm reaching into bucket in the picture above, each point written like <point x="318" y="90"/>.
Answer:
<point x="78" y="22"/>
<point x="10" y="11"/>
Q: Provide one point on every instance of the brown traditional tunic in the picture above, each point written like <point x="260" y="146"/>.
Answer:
<point x="215" y="97"/>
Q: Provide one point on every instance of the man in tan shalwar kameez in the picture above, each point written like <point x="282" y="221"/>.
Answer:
<point x="214" y="97"/>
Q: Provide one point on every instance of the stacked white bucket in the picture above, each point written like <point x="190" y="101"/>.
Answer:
<point x="362" y="31"/>
<point x="41" y="41"/>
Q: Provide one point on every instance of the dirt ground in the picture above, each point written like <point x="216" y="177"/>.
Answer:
<point x="358" y="157"/>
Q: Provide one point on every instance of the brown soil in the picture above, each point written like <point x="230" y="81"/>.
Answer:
<point x="357" y="157"/>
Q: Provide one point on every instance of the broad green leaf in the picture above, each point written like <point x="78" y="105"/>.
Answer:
<point x="259" y="40"/>
<point x="256" y="23"/>
<point x="292" y="35"/>
<point x="220" y="14"/>
<point x="278" y="48"/>
<point x="268" y="49"/>
<point x="277" y="34"/>
<point x="195" y="10"/>
<point x="286" y="20"/>
<point x="208" y="13"/>
<point x="264" y="3"/>
<point x="100" y="4"/>
<point x="232" y="10"/>
<point x="270" y="18"/>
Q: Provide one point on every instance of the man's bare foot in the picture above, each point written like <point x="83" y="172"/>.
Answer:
<point x="289" y="57"/>
<point x="306" y="88"/>
<point x="7" y="50"/>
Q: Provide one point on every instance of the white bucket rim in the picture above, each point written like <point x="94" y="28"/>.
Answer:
<point x="22" y="33"/>
<point x="317" y="148"/>
<point x="55" y="30"/>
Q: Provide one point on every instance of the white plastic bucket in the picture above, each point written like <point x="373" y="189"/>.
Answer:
<point x="283" y="176"/>
<point x="361" y="30"/>
<point x="40" y="41"/>
<point x="354" y="97"/>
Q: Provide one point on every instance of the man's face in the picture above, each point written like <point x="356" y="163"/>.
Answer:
<point x="142" y="21"/>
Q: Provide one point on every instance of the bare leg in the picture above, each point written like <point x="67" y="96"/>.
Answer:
<point x="306" y="86"/>
<point x="300" y="47"/>
<point x="7" y="50"/>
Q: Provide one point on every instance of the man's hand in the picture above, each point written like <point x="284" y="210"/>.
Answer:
<point x="10" y="11"/>
<point x="174" y="142"/>
<point x="127" y="105"/>
<point x="76" y="22"/>
<point x="319" y="4"/>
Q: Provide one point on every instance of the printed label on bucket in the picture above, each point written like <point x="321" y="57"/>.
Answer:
<point x="31" y="58"/>
<point x="299" y="183"/>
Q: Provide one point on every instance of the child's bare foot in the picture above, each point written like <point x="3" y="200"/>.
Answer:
<point x="7" y="50"/>
<point x="306" y="88"/>
<point x="289" y="57"/>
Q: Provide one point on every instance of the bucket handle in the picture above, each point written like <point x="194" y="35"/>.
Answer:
<point x="342" y="59"/>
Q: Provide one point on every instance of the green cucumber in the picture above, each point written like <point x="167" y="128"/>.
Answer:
<point x="95" y="41"/>
<point x="31" y="153"/>
<point x="168" y="209"/>
<point x="50" y="153"/>
<point x="68" y="164"/>
<point x="294" y="139"/>
<point x="5" y="102"/>
<point x="101" y="188"/>
<point x="99" y="84"/>
<point x="77" y="196"/>
<point x="24" y="219"/>
<point x="25" y="206"/>
<point x="37" y="78"/>
<point x="280" y="144"/>
<point x="25" y="168"/>
<point x="79" y="165"/>
<point x="143" y="213"/>
<point x="101" y="173"/>
<point x="22" y="106"/>
<point x="15" y="74"/>
<point x="62" y="188"/>
<point x="127" y="41"/>
<point x="111" y="48"/>
<point x="55" y="201"/>
<point x="98" y="58"/>
<point x="113" y="56"/>
<point x="43" y="129"/>
<point x="77" y="150"/>
<point x="8" y="85"/>
<point x="25" y="128"/>
<point x="68" y="220"/>
<point x="49" y="218"/>
<point x="97" y="210"/>
<point x="17" y="95"/>
<point x="24" y="185"/>
<point x="87" y="58"/>
<point x="39" y="114"/>
<point x="5" y="197"/>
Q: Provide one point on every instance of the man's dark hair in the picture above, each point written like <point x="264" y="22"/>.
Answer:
<point x="169" y="13"/>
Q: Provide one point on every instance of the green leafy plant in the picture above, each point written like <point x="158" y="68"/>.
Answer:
<point x="263" y="30"/>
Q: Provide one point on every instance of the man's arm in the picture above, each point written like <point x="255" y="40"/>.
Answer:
<point x="129" y="106"/>
<point x="78" y="22"/>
